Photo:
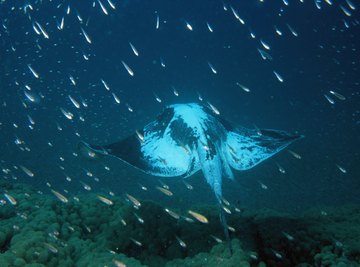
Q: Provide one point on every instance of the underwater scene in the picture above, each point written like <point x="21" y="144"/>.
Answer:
<point x="171" y="133"/>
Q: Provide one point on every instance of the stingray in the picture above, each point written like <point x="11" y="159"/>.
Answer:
<point x="186" y="138"/>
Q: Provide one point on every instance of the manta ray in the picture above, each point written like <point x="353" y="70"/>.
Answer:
<point x="186" y="138"/>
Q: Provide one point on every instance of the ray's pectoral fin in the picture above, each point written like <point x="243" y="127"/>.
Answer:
<point x="247" y="148"/>
<point x="152" y="154"/>
<point x="127" y="150"/>
<point x="90" y="151"/>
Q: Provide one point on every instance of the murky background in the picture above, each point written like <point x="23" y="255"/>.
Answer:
<point x="97" y="71"/>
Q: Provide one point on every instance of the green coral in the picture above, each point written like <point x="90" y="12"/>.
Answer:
<point x="218" y="256"/>
<point x="328" y="257"/>
<point x="42" y="231"/>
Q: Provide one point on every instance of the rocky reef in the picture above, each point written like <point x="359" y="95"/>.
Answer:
<point x="38" y="229"/>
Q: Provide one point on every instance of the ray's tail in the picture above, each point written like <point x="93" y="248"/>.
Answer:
<point x="225" y="227"/>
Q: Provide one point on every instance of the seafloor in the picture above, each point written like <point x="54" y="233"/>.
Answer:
<point x="40" y="230"/>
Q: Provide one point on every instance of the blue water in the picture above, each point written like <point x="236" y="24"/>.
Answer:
<point x="323" y="57"/>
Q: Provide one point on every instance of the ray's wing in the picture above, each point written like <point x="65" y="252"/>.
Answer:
<point x="246" y="148"/>
<point x="152" y="150"/>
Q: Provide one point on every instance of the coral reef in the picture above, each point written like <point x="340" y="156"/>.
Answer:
<point x="39" y="229"/>
<point x="219" y="255"/>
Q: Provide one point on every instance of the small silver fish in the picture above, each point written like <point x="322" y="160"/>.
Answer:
<point x="140" y="136"/>
<point x="188" y="26"/>
<point x="117" y="100"/>
<point x="292" y="30"/>
<point x="51" y="248"/>
<point x="103" y="8"/>
<point x="165" y="191"/>
<point x="87" y="37"/>
<point x="288" y="236"/>
<point x="176" y="93"/>
<point x="111" y="4"/>
<point x="30" y="96"/>
<point x="263" y="186"/>
<point x="44" y="33"/>
<point x="226" y="209"/>
<point x="277" y="30"/>
<point x="278" y="76"/>
<point x="36" y="75"/>
<point x="345" y="10"/>
<point x="264" y="44"/>
<point x="181" y="242"/>
<point x="342" y="169"/>
<point x="350" y="4"/>
<point x="246" y="89"/>
<point x="329" y="99"/>
<point x="140" y="220"/>
<point x="27" y="171"/>
<point x="157" y="26"/>
<point x="294" y="154"/>
<point x="118" y="263"/>
<point x="218" y="240"/>
<point x="188" y="186"/>
<point x="67" y="114"/>
<point x="264" y="55"/>
<point x="74" y="102"/>
<point x="130" y="109"/>
<point x="136" y="242"/>
<point x="105" y="200"/>
<point x="214" y="109"/>
<point x="280" y="168"/>
<point x="61" y="24"/>
<point x="105" y="84"/>
<point x="201" y="218"/>
<point x="133" y="200"/>
<point x="61" y="197"/>
<point x="337" y="95"/>
<point x="10" y="199"/>
<point x="212" y="68"/>
<point x="209" y="27"/>
<point x="172" y="213"/>
<point x="85" y="186"/>
<point x="135" y="51"/>
<point x="128" y="69"/>
<point x="37" y="31"/>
